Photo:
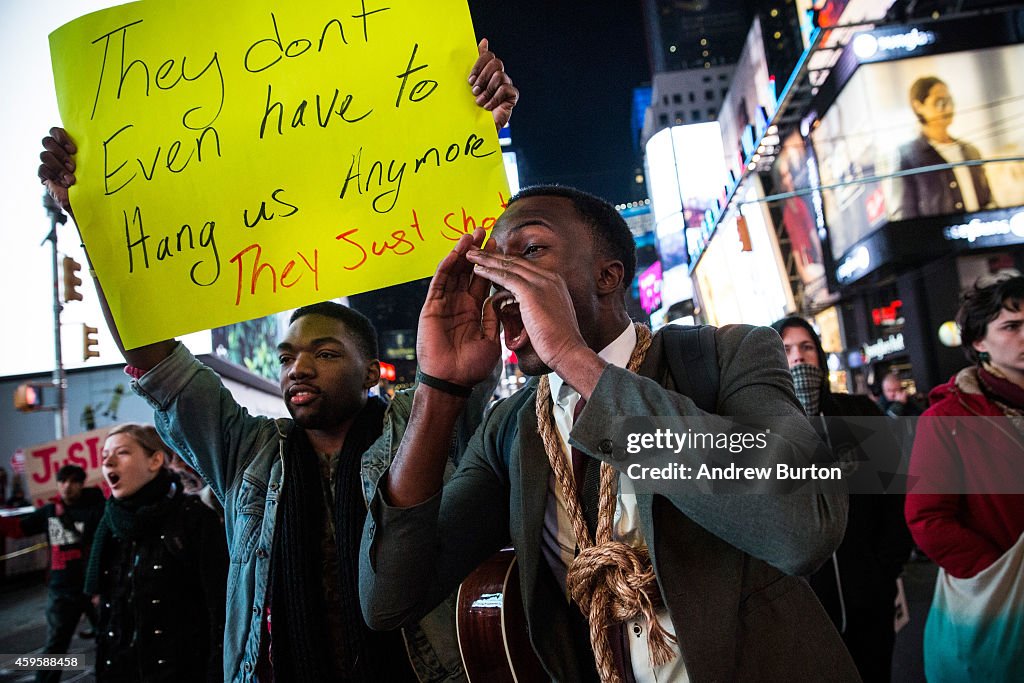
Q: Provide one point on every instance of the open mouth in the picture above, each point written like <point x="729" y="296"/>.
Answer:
<point x="301" y="395"/>
<point x="113" y="478"/>
<point x="507" y="307"/>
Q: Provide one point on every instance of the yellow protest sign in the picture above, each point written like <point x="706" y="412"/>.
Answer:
<point x="239" y="158"/>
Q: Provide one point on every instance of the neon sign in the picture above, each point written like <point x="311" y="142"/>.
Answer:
<point x="867" y="45"/>
<point x="978" y="228"/>
<point x="883" y="347"/>
<point x="887" y="315"/>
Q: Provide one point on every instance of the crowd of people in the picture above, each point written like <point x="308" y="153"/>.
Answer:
<point x="347" y="528"/>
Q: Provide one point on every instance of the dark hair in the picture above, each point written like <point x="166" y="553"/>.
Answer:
<point x="605" y="223"/>
<point x="355" y="322"/>
<point x="71" y="472"/>
<point x="919" y="90"/>
<point x="894" y="375"/>
<point x="782" y="325"/>
<point x="981" y="304"/>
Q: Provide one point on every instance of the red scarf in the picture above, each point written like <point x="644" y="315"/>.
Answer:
<point x="1002" y="389"/>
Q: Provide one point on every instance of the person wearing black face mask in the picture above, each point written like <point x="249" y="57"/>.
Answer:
<point x="857" y="585"/>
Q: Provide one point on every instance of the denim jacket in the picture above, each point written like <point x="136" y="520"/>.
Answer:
<point x="241" y="457"/>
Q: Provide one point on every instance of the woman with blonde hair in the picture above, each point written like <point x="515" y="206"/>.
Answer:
<point x="158" y="567"/>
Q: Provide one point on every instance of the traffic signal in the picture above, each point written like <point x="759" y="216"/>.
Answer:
<point x="744" y="233"/>
<point x="28" y="397"/>
<point x="71" y="280"/>
<point x="89" y="342"/>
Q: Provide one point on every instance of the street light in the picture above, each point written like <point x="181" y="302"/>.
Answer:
<point x="60" y="415"/>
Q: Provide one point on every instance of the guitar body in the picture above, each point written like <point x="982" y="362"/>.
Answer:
<point x="491" y="625"/>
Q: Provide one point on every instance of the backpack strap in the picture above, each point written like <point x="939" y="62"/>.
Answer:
<point x="510" y="428"/>
<point x="693" y="362"/>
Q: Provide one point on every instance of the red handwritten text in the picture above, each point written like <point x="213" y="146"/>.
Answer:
<point x="401" y="242"/>
<point x="287" y="278"/>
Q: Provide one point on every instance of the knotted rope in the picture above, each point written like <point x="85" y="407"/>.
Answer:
<point x="610" y="581"/>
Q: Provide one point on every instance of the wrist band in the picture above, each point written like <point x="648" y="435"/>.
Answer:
<point x="443" y="385"/>
<point x="134" y="372"/>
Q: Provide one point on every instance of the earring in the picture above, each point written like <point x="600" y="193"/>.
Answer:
<point x="984" y="357"/>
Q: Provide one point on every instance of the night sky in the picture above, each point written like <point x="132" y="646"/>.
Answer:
<point x="575" y="64"/>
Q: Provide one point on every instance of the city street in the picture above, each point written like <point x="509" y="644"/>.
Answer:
<point x="23" y="601"/>
<point x="919" y="584"/>
<point x="23" y="610"/>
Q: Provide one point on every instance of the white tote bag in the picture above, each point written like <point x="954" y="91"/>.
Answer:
<point x="975" y="628"/>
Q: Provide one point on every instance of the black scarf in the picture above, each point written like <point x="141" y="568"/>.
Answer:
<point x="131" y="518"/>
<point x="301" y="650"/>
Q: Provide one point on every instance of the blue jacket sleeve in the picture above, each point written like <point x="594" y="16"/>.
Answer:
<point x="200" y="420"/>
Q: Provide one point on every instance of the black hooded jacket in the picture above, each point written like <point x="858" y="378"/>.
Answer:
<point x="877" y="541"/>
<point x="162" y="591"/>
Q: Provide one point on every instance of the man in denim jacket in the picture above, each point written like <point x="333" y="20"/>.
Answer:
<point x="244" y="458"/>
<point x="300" y="561"/>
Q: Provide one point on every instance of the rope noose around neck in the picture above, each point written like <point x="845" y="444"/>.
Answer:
<point x="610" y="581"/>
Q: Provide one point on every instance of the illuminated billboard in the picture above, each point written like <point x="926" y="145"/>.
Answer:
<point x="649" y="283"/>
<point x="676" y="286"/>
<point x="511" y="170"/>
<point x="749" y="105"/>
<point x="801" y="215"/>
<point x="662" y="182"/>
<point x="955" y="114"/>
<point x="685" y="177"/>
<point x="738" y="286"/>
<point x="252" y="344"/>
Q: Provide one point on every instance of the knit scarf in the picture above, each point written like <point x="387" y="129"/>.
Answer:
<point x="131" y="518"/>
<point x="301" y="648"/>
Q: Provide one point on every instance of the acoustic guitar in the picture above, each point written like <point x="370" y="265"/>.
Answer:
<point x="491" y="625"/>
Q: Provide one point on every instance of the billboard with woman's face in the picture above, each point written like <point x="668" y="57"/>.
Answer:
<point x="953" y="114"/>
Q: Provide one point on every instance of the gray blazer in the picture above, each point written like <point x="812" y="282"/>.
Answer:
<point x="725" y="564"/>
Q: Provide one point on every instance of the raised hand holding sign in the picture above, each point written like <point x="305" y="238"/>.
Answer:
<point x="252" y="157"/>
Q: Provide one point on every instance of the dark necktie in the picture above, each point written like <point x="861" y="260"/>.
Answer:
<point x="579" y="458"/>
<point x="586" y="471"/>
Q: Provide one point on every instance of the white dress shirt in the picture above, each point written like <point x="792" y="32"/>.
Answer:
<point x="559" y="539"/>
